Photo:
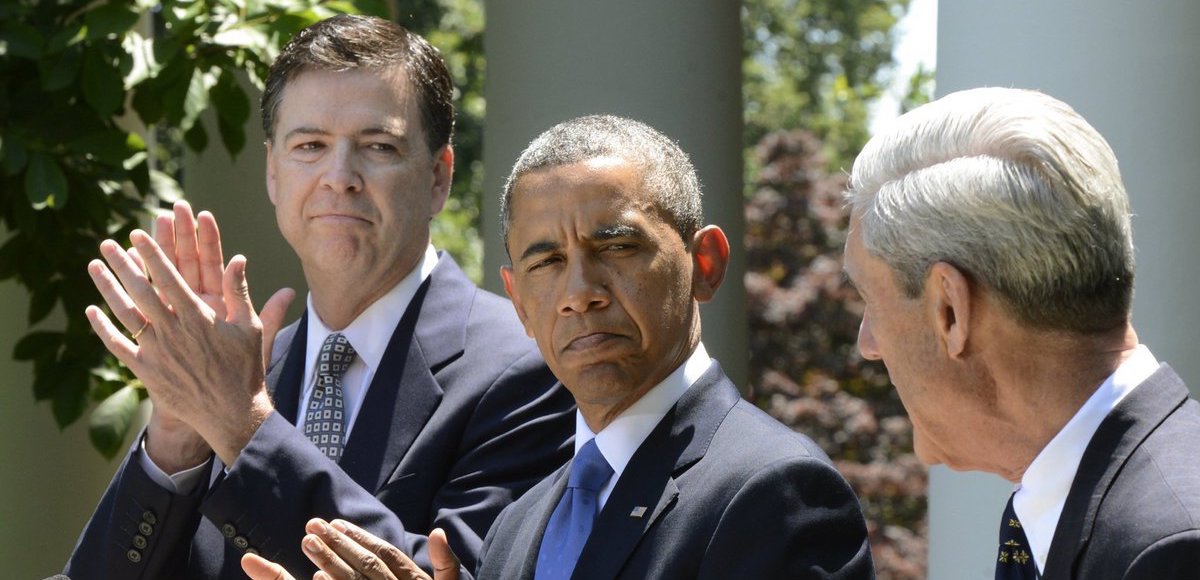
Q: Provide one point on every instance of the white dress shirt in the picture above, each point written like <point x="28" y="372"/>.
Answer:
<point x="369" y="334"/>
<point x="1043" y="489"/>
<point x="620" y="439"/>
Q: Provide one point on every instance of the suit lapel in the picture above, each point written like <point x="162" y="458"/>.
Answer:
<point x="1119" y="435"/>
<point x="648" y="487"/>
<point x="528" y="539"/>
<point x="404" y="392"/>
<point x="286" y="372"/>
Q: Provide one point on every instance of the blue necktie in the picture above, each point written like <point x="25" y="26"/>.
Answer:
<point x="1015" y="562"/>
<point x="571" y="522"/>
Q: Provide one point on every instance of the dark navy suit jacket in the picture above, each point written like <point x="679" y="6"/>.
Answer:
<point x="460" y="419"/>
<point x="1133" y="511"/>
<point x="727" y="492"/>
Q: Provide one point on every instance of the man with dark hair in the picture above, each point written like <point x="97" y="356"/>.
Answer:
<point x="405" y="397"/>
<point x="675" y="476"/>
<point x="990" y="239"/>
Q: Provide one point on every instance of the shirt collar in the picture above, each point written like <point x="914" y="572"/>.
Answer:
<point x="621" y="438"/>
<point x="371" y="331"/>
<point x="1043" y="489"/>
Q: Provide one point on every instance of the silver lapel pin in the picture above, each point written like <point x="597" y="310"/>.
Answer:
<point x="638" y="512"/>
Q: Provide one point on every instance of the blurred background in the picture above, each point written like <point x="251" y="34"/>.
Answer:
<point x="111" y="110"/>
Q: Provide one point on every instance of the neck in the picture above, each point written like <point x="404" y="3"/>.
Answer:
<point x="1043" y="382"/>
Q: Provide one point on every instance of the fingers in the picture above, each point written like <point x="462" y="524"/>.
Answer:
<point x="166" y="278"/>
<point x="337" y="556"/>
<point x="239" y="308"/>
<point x="272" y="317"/>
<point x="186" y="256"/>
<point x="396" y="561"/>
<point x="116" y="342"/>
<point x="259" y="568"/>
<point x="445" y="563"/>
<point x="119" y="302"/>
<point x="212" y="259"/>
<point x="164" y="234"/>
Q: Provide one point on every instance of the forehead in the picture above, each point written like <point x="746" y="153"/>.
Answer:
<point x="363" y="95"/>
<point x="591" y="191"/>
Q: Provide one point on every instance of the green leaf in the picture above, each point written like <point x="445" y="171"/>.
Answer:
<point x="70" y="397"/>
<point x="196" y="99"/>
<point x="103" y="88"/>
<point x="229" y="99"/>
<point x="232" y="135"/>
<point x="37" y="344"/>
<point x="22" y="40"/>
<point x="15" y="156"/>
<point x="58" y="71"/>
<point x="109" y="19"/>
<point x="42" y="302"/>
<point x="45" y="184"/>
<point x="111" y="146"/>
<point x="110" y="422"/>
<point x="71" y="35"/>
<point x="165" y="187"/>
<point x="196" y="138"/>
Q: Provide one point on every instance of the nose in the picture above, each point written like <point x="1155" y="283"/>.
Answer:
<point x="342" y="174"/>
<point x="866" y="339"/>
<point x="584" y="288"/>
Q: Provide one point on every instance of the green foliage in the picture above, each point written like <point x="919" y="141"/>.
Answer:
<point x="815" y="65"/>
<point x="455" y="27"/>
<point x="84" y="83"/>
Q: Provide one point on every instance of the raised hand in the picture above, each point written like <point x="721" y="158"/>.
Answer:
<point x="344" y="551"/>
<point x="204" y="368"/>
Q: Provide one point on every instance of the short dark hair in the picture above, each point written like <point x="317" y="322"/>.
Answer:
<point x="346" y="42"/>
<point x="667" y="173"/>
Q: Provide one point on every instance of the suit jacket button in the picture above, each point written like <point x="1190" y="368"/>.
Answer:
<point x="139" y="542"/>
<point x="149" y="517"/>
<point x="134" y="556"/>
<point x="241" y="542"/>
<point x="145" y="528"/>
<point x="228" y="530"/>
<point x="252" y="551"/>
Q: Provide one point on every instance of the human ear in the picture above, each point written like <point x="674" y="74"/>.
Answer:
<point x="270" y="173"/>
<point x="710" y="256"/>
<point x="510" y="288"/>
<point x="948" y="291"/>
<point x="443" y="173"/>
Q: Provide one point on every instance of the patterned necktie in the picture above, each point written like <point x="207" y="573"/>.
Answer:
<point x="325" y="417"/>
<point x="1015" y="561"/>
<point x="571" y="522"/>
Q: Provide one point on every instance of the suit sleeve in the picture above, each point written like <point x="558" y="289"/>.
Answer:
<point x="281" y="480"/>
<point x="139" y="529"/>
<point x="1176" y="557"/>
<point x="796" y="518"/>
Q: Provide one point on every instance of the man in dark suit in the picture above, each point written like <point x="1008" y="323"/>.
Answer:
<point x="419" y="401"/>
<point x="610" y="262"/>
<point x="990" y="238"/>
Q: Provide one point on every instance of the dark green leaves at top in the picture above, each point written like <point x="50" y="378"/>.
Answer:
<point x="114" y="18"/>
<point x="103" y="86"/>
<point x="45" y="184"/>
<point x="233" y="110"/>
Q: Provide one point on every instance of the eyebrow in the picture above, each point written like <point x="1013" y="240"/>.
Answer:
<point x="602" y="233"/>
<point x="369" y="131"/>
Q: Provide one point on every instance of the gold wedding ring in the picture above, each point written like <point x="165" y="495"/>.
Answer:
<point x="145" y="325"/>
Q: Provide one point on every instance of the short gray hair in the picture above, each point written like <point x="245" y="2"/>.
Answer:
<point x="1014" y="188"/>
<point x="667" y="172"/>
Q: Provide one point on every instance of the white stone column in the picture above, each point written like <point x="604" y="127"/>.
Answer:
<point x="674" y="64"/>
<point x="1133" y="70"/>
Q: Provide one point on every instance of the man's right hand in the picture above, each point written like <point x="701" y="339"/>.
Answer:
<point x="344" y="551"/>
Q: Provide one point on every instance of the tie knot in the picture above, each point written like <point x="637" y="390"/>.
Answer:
<point x="589" y="470"/>
<point x="335" y="357"/>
